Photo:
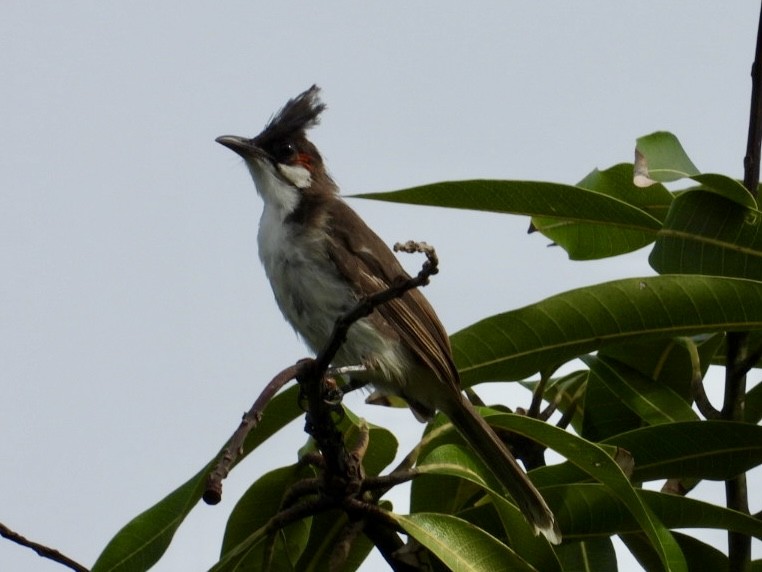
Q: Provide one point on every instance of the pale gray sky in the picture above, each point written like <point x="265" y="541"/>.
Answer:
<point x="135" y="321"/>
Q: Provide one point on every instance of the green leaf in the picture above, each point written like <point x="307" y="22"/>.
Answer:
<point x="457" y="461"/>
<point x="684" y="512"/>
<point x="327" y="531"/>
<point x="254" y="510"/>
<point x="588" y="224"/>
<point x="726" y="187"/>
<point x="540" y="337"/>
<point x="661" y="157"/>
<point x="382" y="444"/>
<point x="460" y="545"/>
<point x="535" y="549"/>
<point x="604" y="412"/>
<point x="590" y="509"/>
<point x="328" y="528"/>
<point x="717" y="450"/>
<point x="652" y="402"/>
<point x="699" y="556"/>
<point x="590" y="555"/>
<point x="617" y="182"/>
<point x="673" y="362"/>
<point x="594" y="461"/>
<point x="585" y="240"/>
<point x="143" y="540"/>
<point x="707" y="234"/>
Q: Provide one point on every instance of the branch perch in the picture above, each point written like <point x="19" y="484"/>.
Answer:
<point x="310" y="373"/>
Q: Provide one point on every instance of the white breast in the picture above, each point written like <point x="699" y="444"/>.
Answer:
<point x="307" y="285"/>
<point x="312" y="295"/>
<point x="303" y="279"/>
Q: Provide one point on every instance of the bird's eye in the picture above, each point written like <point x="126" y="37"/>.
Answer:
<point x="284" y="152"/>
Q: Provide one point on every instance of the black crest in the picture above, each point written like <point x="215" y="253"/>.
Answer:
<point x="297" y="116"/>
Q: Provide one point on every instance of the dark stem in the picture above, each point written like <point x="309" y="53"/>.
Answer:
<point x="234" y="448"/>
<point x="41" y="549"/>
<point x="754" y="141"/>
<point x="539" y="391"/>
<point x="736" y="494"/>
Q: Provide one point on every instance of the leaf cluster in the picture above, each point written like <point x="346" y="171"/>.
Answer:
<point x="637" y="351"/>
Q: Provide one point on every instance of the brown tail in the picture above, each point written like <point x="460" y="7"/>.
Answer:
<point x="501" y="462"/>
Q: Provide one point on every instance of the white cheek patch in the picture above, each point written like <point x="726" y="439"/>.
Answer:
<point x="276" y="192"/>
<point x="299" y="176"/>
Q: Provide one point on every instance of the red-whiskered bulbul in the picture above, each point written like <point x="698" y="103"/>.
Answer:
<point x="321" y="259"/>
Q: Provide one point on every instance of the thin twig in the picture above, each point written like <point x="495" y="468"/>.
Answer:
<point x="41" y="549"/>
<point x="234" y="447"/>
<point x="698" y="392"/>
<point x="537" y="394"/>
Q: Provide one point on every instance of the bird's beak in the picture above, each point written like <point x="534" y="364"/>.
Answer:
<point x="241" y="145"/>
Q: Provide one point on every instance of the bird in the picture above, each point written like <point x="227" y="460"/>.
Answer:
<point x="321" y="259"/>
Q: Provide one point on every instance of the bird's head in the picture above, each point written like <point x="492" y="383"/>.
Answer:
<point x="285" y="165"/>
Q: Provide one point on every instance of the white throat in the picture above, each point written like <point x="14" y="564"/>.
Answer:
<point x="277" y="194"/>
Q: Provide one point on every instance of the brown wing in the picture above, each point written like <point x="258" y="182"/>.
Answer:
<point x="411" y="316"/>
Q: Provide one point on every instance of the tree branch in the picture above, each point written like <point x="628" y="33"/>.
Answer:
<point x="41" y="549"/>
<point x="234" y="448"/>
<point x="739" y="545"/>
<point x="311" y="375"/>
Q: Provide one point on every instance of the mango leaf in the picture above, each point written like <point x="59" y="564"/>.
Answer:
<point x="595" y="461"/>
<point x="539" y="337"/>
<point x="585" y="241"/>
<point x="589" y="555"/>
<point x="535" y="549"/>
<point x="698" y="555"/>
<point x="684" y="512"/>
<point x="717" y="450"/>
<point x="652" y="402"/>
<point x="620" y="398"/>
<point x="456" y="461"/>
<point x="660" y="157"/>
<point x="143" y="540"/>
<point x="460" y="545"/>
<point x="726" y="187"/>
<point x="605" y="414"/>
<point x="673" y="362"/>
<point x="382" y="444"/>
<point x="707" y="234"/>
<point x="590" y="509"/>
<point x="617" y="182"/>
<point x="252" y="512"/>
<point x="587" y="223"/>
<point x="328" y="528"/>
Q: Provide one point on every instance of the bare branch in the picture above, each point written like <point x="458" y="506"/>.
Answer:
<point x="41" y="549"/>
<point x="342" y="476"/>
<point x="234" y="448"/>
